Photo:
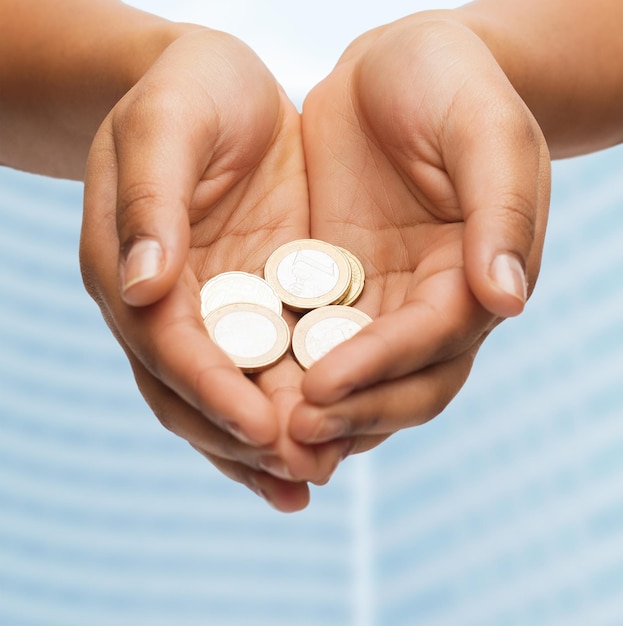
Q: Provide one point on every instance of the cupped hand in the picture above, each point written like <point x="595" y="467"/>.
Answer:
<point x="199" y="169"/>
<point x="424" y="162"/>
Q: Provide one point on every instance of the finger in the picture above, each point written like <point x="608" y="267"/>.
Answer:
<point x="385" y="408"/>
<point x="441" y="320"/>
<point x="503" y="187"/>
<point x="287" y="497"/>
<point x="290" y="460"/>
<point x="314" y="464"/>
<point x="321" y="461"/>
<point x="364" y="443"/>
<point x="125" y="170"/>
<point x="159" y="166"/>
<point x="170" y="339"/>
<point x="187" y="423"/>
<point x="173" y="128"/>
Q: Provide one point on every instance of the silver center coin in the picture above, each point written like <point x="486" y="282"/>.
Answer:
<point x="326" y="334"/>
<point x="308" y="273"/>
<point x="245" y="334"/>
<point x="235" y="287"/>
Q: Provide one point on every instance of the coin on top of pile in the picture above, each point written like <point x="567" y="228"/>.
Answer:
<point x="308" y="273"/>
<point x="236" y="287"/>
<point x="322" y="329"/>
<point x="254" y="336"/>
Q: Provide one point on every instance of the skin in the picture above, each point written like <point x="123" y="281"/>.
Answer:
<point x="54" y="97"/>
<point x="425" y="152"/>
<point x="565" y="59"/>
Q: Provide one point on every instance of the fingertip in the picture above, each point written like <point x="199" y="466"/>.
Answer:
<point x="332" y="378"/>
<point x="255" y="422"/>
<point x="283" y="496"/>
<point x="261" y="428"/>
<point x="313" y="425"/>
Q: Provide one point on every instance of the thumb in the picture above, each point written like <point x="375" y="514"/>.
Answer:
<point x="157" y="174"/>
<point x="502" y="179"/>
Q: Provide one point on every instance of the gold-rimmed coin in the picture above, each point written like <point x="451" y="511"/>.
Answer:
<point x="308" y="273"/>
<point x="321" y="330"/>
<point x="253" y="336"/>
<point x="358" y="277"/>
<point x="236" y="287"/>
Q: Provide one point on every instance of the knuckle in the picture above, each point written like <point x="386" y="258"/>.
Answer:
<point x="135" y="205"/>
<point x="135" y="115"/>
<point x="456" y="329"/>
<point x="516" y="215"/>
<point x="518" y="212"/>
<point x="385" y="352"/>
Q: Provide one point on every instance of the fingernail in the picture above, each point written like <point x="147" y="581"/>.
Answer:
<point x="508" y="274"/>
<point x="234" y="429"/>
<point x="142" y="262"/>
<point x="346" y="450"/>
<point x="276" y="467"/>
<point x="329" y="429"/>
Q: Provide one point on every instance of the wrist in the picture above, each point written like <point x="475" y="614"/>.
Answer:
<point x="565" y="61"/>
<point x="55" y="95"/>
<point x="143" y="47"/>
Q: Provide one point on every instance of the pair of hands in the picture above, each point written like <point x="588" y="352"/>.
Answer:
<point x="415" y="153"/>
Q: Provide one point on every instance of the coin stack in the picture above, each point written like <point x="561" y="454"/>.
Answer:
<point x="242" y="312"/>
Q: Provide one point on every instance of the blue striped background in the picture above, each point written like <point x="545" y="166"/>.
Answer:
<point x="506" y="510"/>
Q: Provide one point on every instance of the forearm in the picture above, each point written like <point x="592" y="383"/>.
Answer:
<point x="63" y="66"/>
<point x="565" y="58"/>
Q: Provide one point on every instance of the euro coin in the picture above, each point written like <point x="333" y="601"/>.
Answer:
<point x="308" y="273"/>
<point x="357" y="278"/>
<point x="253" y="336"/>
<point x="321" y="330"/>
<point x="237" y="287"/>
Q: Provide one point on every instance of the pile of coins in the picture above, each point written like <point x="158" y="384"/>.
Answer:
<point x="243" y="312"/>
